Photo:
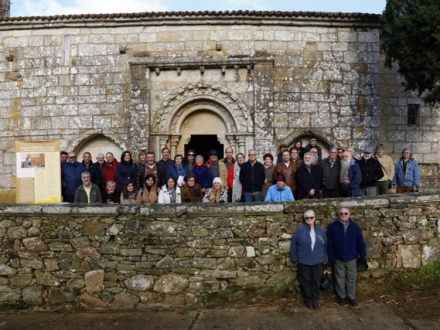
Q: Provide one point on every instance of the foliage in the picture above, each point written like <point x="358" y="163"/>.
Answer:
<point x="412" y="39"/>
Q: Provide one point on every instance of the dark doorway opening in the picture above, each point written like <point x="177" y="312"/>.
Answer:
<point x="202" y="144"/>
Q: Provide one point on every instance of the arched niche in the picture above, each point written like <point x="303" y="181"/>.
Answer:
<point x="305" y="135"/>
<point x="99" y="143"/>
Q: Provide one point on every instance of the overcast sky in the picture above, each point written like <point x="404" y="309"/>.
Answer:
<point x="65" y="7"/>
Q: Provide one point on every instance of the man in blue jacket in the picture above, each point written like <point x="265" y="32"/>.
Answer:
<point x="279" y="192"/>
<point x="71" y="177"/>
<point x="345" y="245"/>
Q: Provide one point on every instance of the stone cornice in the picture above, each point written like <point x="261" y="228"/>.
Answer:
<point x="356" y="20"/>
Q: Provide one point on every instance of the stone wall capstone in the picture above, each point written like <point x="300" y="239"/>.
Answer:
<point x="129" y="256"/>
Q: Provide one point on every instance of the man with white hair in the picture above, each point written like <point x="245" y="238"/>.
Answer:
<point x="308" y="179"/>
<point x="350" y="177"/>
<point x="88" y="192"/>
<point x="371" y="173"/>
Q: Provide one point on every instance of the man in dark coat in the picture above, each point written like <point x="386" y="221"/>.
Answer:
<point x="371" y="173"/>
<point x="308" y="179"/>
<point x="162" y="166"/>
<point x="331" y="167"/>
<point x="252" y="176"/>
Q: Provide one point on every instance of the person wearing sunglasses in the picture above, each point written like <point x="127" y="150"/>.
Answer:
<point x="345" y="246"/>
<point x="71" y="177"/>
<point x="309" y="251"/>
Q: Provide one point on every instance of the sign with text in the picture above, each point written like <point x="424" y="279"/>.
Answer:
<point x="38" y="172"/>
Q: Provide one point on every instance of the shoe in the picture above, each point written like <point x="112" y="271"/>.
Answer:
<point x="309" y="305"/>
<point x="341" y="302"/>
<point x="316" y="305"/>
<point x="353" y="303"/>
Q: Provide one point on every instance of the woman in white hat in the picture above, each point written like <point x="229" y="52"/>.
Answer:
<point x="216" y="194"/>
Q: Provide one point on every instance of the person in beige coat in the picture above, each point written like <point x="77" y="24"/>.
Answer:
<point x="388" y="169"/>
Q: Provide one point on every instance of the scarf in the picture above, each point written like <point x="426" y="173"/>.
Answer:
<point x="236" y="184"/>
<point x="214" y="196"/>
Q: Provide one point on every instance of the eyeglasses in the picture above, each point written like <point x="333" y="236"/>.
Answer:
<point x="192" y="155"/>
<point x="309" y="218"/>
<point x="343" y="213"/>
<point x="190" y="180"/>
<point x="252" y="155"/>
<point x="72" y="157"/>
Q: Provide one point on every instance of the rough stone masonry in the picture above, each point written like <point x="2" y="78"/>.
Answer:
<point x="255" y="79"/>
<point x="125" y="256"/>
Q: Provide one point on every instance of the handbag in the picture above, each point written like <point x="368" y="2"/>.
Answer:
<point x="362" y="265"/>
<point x="325" y="281"/>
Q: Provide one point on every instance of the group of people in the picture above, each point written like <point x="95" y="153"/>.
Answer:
<point x="299" y="173"/>
<point x="342" y="245"/>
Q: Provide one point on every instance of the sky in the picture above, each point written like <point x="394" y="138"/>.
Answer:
<point x="66" y="7"/>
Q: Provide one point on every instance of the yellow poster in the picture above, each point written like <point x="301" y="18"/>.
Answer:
<point x="38" y="172"/>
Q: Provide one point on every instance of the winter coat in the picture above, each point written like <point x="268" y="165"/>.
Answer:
<point x="203" y="177"/>
<point x="288" y="172"/>
<point x="345" y="246"/>
<point x="71" y="177"/>
<point x="164" y="197"/>
<point x="306" y="181"/>
<point x="173" y="171"/>
<point x="276" y="195"/>
<point x="330" y="175"/>
<point x="355" y="177"/>
<point x="110" y="172"/>
<point x="301" y="246"/>
<point x="409" y="179"/>
<point x="252" y="176"/>
<point x="142" y="171"/>
<point x="371" y="171"/>
<point x="81" y="195"/>
<point x="147" y="197"/>
<point x="191" y="194"/>
<point x="162" y="168"/>
<point x="125" y="172"/>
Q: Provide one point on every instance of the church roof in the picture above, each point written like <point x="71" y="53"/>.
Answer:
<point x="202" y="14"/>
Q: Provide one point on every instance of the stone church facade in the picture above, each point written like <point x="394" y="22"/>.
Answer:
<point x="202" y="80"/>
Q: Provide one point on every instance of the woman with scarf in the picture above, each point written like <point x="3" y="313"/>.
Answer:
<point x="216" y="194"/>
<point x="234" y="178"/>
<point x="191" y="191"/>
<point x="178" y="170"/>
<point x="170" y="192"/>
<point x="148" y="194"/>
<point x="202" y="173"/>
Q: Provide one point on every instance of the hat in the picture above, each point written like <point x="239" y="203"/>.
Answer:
<point x="368" y="150"/>
<point x="268" y="155"/>
<point x="312" y="139"/>
<point x="217" y="179"/>
<point x="213" y="152"/>
<point x="281" y="177"/>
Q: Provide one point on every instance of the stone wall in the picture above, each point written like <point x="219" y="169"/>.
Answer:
<point x="114" y="256"/>
<point x="270" y="78"/>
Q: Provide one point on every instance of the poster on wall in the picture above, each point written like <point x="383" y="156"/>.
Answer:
<point x="38" y="172"/>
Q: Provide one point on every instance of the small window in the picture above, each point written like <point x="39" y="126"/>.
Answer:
<point x="413" y="114"/>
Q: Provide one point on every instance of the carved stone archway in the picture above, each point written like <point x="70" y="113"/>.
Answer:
<point x="167" y="123"/>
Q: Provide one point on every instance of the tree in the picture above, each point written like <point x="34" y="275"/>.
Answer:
<point x="412" y="40"/>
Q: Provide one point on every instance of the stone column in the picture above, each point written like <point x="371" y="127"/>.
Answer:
<point x="174" y="142"/>
<point x="232" y="142"/>
<point x="163" y="142"/>
<point x="241" y="145"/>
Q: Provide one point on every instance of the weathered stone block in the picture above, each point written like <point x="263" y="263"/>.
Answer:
<point x="171" y="283"/>
<point x="20" y="280"/>
<point x="32" y="295"/>
<point x="408" y="256"/>
<point x="166" y="263"/>
<point x="88" y="252"/>
<point x="139" y="283"/>
<point x="284" y="277"/>
<point x="124" y="300"/>
<point x="93" y="302"/>
<point x="94" y="280"/>
<point x="94" y="228"/>
<point x="58" y="296"/>
<point x="7" y="270"/>
<point x="246" y="281"/>
<point x="8" y="294"/>
<point x="17" y="232"/>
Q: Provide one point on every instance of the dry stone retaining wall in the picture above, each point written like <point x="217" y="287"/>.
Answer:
<point x="119" y="257"/>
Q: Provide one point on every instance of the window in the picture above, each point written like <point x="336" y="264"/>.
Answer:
<point x="413" y="114"/>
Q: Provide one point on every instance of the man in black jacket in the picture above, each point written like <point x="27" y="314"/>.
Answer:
<point x="252" y="177"/>
<point x="308" y="179"/>
<point x="371" y="173"/>
<point x="331" y="167"/>
<point x="162" y="166"/>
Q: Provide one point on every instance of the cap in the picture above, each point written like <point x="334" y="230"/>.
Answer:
<point x="217" y="179"/>
<point x="312" y="139"/>
<point x="213" y="152"/>
<point x="281" y="177"/>
<point x="368" y="150"/>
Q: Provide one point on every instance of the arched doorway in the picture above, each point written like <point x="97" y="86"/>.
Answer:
<point x="97" y="144"/>
<point x="202" y="144"/>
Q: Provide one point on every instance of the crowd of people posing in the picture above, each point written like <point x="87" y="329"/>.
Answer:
<point x="295" y="174"/>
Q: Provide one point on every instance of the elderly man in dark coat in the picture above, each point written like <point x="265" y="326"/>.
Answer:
<point x="308" y="179"/>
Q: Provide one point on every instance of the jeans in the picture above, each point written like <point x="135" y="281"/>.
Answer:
<point x="250" y="197"/>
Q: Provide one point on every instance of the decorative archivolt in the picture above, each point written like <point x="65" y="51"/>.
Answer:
<point x="218" y="99"/>
<point x="325" y="138"/>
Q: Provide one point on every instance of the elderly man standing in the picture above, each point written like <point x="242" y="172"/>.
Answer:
<point x="407" y="177"/>
<point x="88" y="192"/>
<point x="308" y="179"/>
<point x="71" y="177"/>
<point x="350" y="177"/>
<point x="371" y="173"/>
<point x="252" y="176"/>
<point x="345" y="246"/>
<point x="387" y="164"/>
<point x="331" y="167"/>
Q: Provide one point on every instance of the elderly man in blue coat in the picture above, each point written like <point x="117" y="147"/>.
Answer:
<point x="345" y="246"/>
<point x="71" y="177"/>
